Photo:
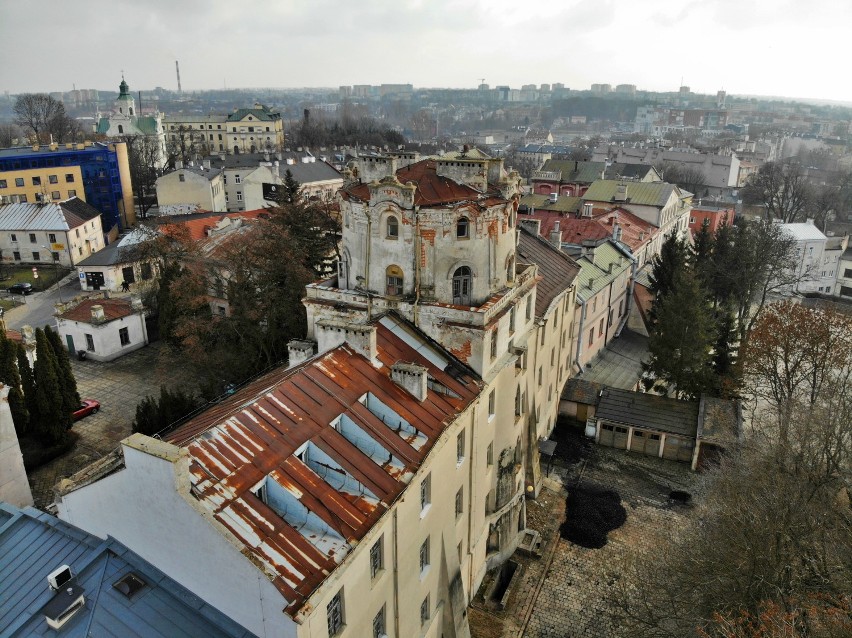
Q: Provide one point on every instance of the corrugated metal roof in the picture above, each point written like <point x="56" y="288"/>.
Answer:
<point x="325" y="486"/>
<point x="113" y="309"/>
<point x="33" y="544"/>
<point x="639" y="193"/>
<point x="595" y="270"/>
<point x="648" y="411"/>
<point x="802" y="231"/>
<point x="60" y="217"/>
<point x="557" y="270"/>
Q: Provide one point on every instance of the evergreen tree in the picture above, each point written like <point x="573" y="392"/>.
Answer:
<point x="65" y="372"/>
<point x="725" y="363"/>
<point x="10" y="378"/>
<point x="53" y="419"/>
<point x="168" y="312"/>
<point x="673" y="259"/>
<point x="701" y="253"/>
<point x="290" y="193"/>
<point x="680" y="341"/>
<point x="153" y="416"/>
<point x="27" y="383"/>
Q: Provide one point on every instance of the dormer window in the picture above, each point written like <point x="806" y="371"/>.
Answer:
<point x="463" y="228"/>
<point x="392" y="227"/>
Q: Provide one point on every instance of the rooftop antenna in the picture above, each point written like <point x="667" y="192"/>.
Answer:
<point x="177" y="70"/>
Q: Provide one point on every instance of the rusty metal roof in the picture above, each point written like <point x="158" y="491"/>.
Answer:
<point x="113" y="309"/>
<point x="298" y="490"/>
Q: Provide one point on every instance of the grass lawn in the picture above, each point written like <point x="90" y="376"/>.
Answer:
<point x="18" y="273"/>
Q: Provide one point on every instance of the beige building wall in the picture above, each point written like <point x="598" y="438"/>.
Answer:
<point x="42" y="184"/>
<point x="128" y="213"/>
<point x="187" y="187"/>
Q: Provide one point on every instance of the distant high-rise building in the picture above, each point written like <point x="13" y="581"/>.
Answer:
<point x="601" y="89"/>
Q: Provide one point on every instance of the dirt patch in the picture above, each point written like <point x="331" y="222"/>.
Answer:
<point x="590" y="514"/>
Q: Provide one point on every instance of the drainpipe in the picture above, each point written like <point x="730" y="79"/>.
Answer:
<point x="418" y="244"/>
<point x="580" y="335"/>
<point x="395" y="573"/>
<point x="633" y="269"/>
<point x="367" y="267"/>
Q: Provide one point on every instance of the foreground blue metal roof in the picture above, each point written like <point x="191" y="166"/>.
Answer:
<point x="33" y="544"/>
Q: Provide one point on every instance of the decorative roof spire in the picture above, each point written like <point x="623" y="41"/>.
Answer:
<point x="123" y="89"/>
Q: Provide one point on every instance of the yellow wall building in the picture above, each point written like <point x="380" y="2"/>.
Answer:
<point x="41" y="185"/>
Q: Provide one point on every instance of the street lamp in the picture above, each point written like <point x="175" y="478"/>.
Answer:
<point x="55" y="270"/>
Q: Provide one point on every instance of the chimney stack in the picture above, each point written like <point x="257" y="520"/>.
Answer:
<point x="98" y="315"/>
<point x="412" y="378"/>
<point x="556" y="235"/>
<point x="298" y="351"/>
<point x="358" y="336"/>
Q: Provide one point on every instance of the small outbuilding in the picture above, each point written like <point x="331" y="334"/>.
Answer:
<point x="104" y="329"/>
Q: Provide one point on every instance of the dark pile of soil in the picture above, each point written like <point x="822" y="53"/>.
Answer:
<point x="571" y="446"/>
<point x="590" y="514"/>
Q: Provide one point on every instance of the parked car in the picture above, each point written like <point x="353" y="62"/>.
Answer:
<point x="21" y="288"/>
<point x="87" y="407"/>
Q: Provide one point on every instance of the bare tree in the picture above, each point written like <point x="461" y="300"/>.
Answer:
<point x="9" y="134"/>
<point x="782" y="189"/>
<point x="690" y="178"/>
<point x="143" y="156"/>
<point x="35" y="112"/>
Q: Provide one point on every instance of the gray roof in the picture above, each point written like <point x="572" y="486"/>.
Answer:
<point x="648" y="411"/>
<point x="558" y="270"/>
<point x="619" y="364"/>
<point x="802" y="231"/>
<point x="107" y="256"/>
<point x="34" y="544"/>
<point x="303" y="172"/>
<point x="60" y="216"/>
<point x="582" y="391"/>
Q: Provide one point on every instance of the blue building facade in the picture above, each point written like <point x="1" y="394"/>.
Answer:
<point x="105" y="172"/>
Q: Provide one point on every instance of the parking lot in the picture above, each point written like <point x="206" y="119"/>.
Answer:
<point x="119" y="385"/>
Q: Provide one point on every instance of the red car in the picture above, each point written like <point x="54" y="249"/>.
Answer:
<point x="87" y="407"/>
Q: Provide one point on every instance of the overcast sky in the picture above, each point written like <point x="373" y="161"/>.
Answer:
<point x="766" y="47"/>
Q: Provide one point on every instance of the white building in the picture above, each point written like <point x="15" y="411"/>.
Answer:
<point x="105" y="328"/>
<point x="125" y="120"/>
<point x="191" y="188"/>
<point x="810" y="244"/>
<point x="57" y="232"/>
<point x="843" y="287"/>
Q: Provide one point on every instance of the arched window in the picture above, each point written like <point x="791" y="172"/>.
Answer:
<point x="236" y="150"/>
<point x="518" y="402"/>
<point x="463" y="227"/>
<point x="462" y="283"/>
<point x="510" y="268"/>
<point x="392" y="227"/>
<point x="343" y="273"/>
<point x="120" y="128"/>
<point x="131" y="110"/>
<point x="393" y="278"/>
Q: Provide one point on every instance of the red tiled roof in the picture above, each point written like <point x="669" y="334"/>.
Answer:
<point x="577" y="229"/>
<point x="198" y="227"/>
<point x="632" y="227"/>
<point x="253" y="436"/>
<point x="431" y="188"/>
<point x="113" y="309"/>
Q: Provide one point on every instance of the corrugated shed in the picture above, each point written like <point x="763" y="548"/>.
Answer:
<point x="34" y="544"/>
<point x="648" y="411"/>
<point x="299" y="492"/>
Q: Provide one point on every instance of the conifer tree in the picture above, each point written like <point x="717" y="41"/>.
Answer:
<point x="66" y="373"/>
<point x="53" y="419"/>
<point x="701" y="253"/>
<point x="10" y="377"/>
<point x="673" y="259"/>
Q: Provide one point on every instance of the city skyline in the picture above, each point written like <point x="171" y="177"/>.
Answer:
<point x="756" y="48"/>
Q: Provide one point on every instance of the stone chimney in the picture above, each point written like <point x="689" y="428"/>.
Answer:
<point x="298" y="351"/>
<point x="621" y="192"/>
<point x="98" y="315"/>
<point x="532" y="225"/>
<point x="360" y="337"/>
<point x="556" y="235"/>
<point x="412" y="378"/>
<point x="616" y="232"/>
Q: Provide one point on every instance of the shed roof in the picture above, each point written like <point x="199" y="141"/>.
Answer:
<point x="648" y="411"/>
<point x="33" y="544"/>
<point x="335" y="482"/>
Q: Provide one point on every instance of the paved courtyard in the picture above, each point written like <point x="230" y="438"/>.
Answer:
<point x="564" y="594"/>
<point x="119" y="385"/>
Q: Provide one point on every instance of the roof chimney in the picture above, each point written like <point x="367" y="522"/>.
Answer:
<point x="299" y="350"/>
<point x="98" y="315"/>
<point x="412" y="378"/>
<point x="621" y="192"/>
<point x="556" y="235"/>
<point x="360" y="337"/>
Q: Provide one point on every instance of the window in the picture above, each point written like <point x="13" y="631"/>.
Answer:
<point x="239" y="196"/>
<point x="55" y="256"/>
<point x="124" y="336"/>
<point x="37" y="182"/>
<point x="392" y="227"/>
<point x="460" y="502"/>
<point x="146" y="271"/>
<point x="460" y="447"/>
<point x="463" y="227"/>
<point x="238" y="179"/>
<point x="489" y="454"/>
<point x="425" y="493"/>
<point x="334" y="614"/>
<point x="22" y="199"/>
<point x="128" y="274"/>
<point x="529" y="307"/>
<point x="491" y="404"/>
<point x="494" y="343"/>
<point x="90" y="343"/>
<point x="2" y="183"/>
<point x="16" y="255"/>
<point x="512" y="319"/>
<point x="394" y="280"/>
<point x="55" y="195"/>
<point x="69" y="178"/>
<point x="424" y="610"/>
<point x="591" y="336"/>
<point x="424" y="556"/>
<point x="518" y="401"/>
<point x="539" y="375"/>
<point x="32" y="238"/>
<point x="51" y="237"/>
<point x="181" y="177"/>
<point x="14" y="237"/>
<point x="601" y="327"/>
<point x="376" y="558"/>
<point x="379" y="624"/>
<point x="19" y="181"/>
<point x="36" y="256"/>
<point x="462" y="279"/>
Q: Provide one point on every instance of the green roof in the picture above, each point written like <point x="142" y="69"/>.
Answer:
<point x="103" y="125"/>
<point x="595" y="269"/>
<point x="639" y="193"/>
<point x="562" y="204"/>
<point x="148" y="125"/>
<point x="262" y="114"/>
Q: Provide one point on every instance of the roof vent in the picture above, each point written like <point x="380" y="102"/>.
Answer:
<point x="129" y="584"/>
<point x="64" y="605"/>
<point x="58" y="577"/>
